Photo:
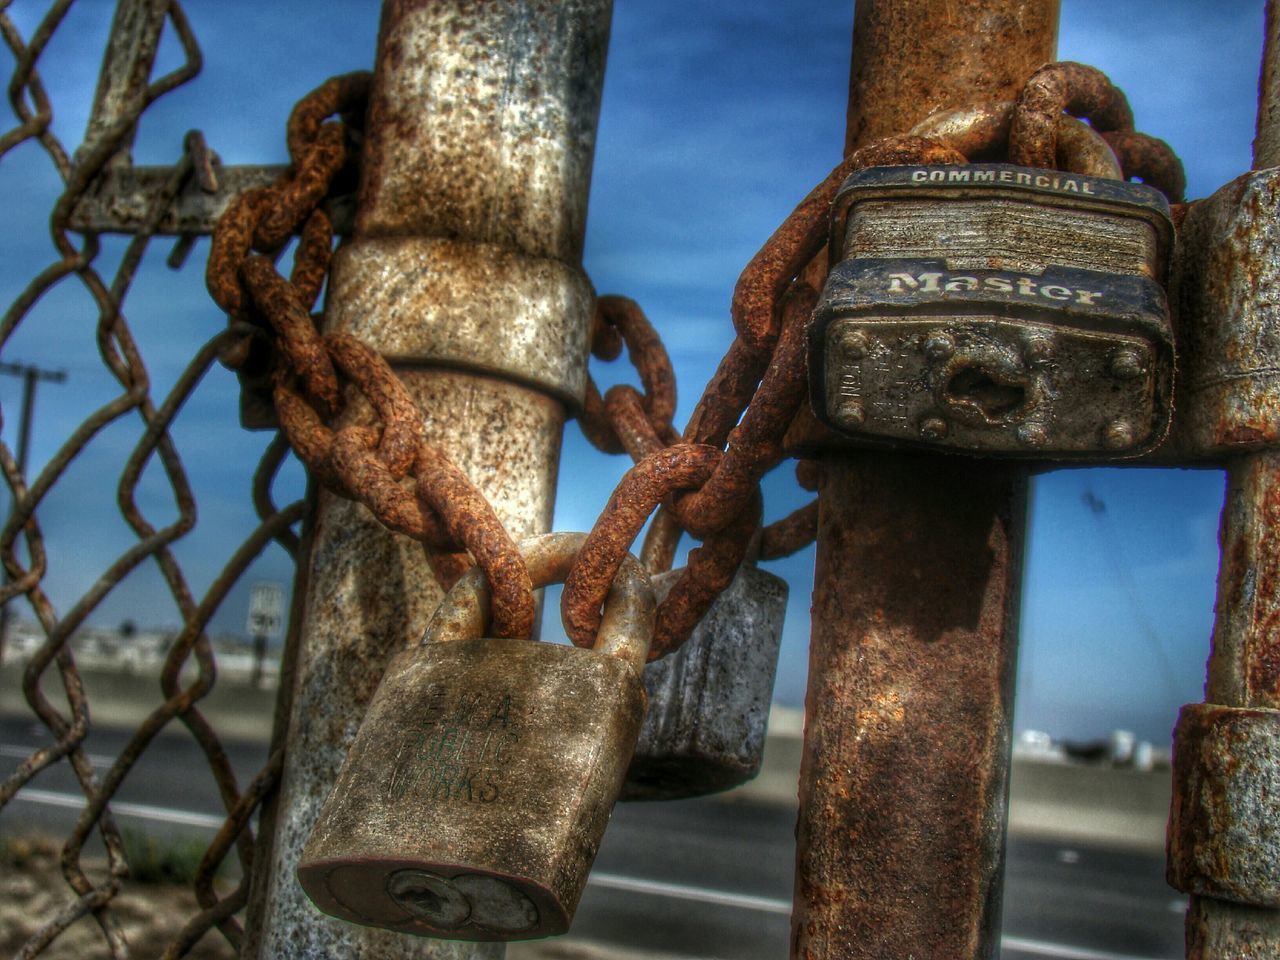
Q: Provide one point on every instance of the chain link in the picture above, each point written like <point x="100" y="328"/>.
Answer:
<point x="742" y="415"/>
<point x="388" y="466"/>
<point x="1086" y="92"/>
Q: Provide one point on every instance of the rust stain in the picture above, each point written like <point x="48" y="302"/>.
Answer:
<point x="911" y="767"/>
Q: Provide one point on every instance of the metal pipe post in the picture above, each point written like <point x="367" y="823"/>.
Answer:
<point x="126" y="70"/>
<point x="904" y="776"/>
<point x="465" y="271"/>
<point x="1224" y="847"/>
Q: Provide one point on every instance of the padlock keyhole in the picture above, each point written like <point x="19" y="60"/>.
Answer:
<point x="424" y="902"/>
<point x="995" y="399"/>
<point x="429" y="897"/>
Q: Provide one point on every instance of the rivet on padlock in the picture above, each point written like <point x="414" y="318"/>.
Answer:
<point x="709" y="701"/>
<point x="474" y="797"/>
<point x="996" y="309"/>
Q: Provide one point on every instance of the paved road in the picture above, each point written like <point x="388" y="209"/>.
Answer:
<point x="708" y="878"/>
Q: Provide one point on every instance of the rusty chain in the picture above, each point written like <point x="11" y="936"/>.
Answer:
<point x="371" y="463"/>
<point x="1086" y="92"/>
<point x="707" y="479"/>
<point x="755" y="393"/>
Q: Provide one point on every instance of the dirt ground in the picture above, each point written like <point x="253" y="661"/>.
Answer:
<point x="32" y="890"/>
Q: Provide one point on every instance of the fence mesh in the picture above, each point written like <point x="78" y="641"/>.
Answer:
<point x="106" y="268"/>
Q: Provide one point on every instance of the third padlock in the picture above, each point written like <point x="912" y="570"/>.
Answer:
<point x="709" y="700"/>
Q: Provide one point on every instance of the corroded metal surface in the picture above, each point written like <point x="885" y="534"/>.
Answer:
<point x="1266" y="144"/>
<point x="474" y="798"/>
<point x="912" y="59"/>
<point x="481" y="129"/>
<point x="1218" y="930"/>
<point x="1244" y="666"/>
<point x="122" y="90"/>
<point x="1226" y="289"/>
<point x="997" y="310"/>
<point x="120" y="201"/>
<point x="1079" y="89"/>
<point x="999" y="216"/>
<point x="709" y="700"/>
<point x="1151" y="160"/>
<point x="1224" y="824"/>
<point x="416" y="298"/>
<point x="904" y="773"/>
<point x="371" y="594"/>
<point x="639" y="492"/>
<point x="983" y="131"/>
<point x="1223" y="836"/>
<point x="1085" y="91"/>
<point x="618" y="321"/>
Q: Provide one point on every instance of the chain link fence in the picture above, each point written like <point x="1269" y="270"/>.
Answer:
<point x="101" y="192"/>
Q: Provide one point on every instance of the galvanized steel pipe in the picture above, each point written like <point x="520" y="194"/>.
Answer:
<point x="465" y="270"/>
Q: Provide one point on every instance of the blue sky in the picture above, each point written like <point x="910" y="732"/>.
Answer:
<point x="716" y="119"/>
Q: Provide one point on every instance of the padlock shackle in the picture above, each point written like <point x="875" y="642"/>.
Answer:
<point x="626" y="629"/>
<point x="975" y="131"/>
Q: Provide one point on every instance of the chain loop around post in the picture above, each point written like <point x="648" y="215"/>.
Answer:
<point x="387" y="465"/>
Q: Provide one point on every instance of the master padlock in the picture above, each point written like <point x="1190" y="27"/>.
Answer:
<point x="475" y="795"/>
<point x="996" y="310"/>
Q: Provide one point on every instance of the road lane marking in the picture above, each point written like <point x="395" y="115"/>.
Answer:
<point x="611" y="881"/>
<point x="1061" y="951"/>
<point x="21" y="753"/>
<point x="680" y="891"/>
<point x="141" y="811"/>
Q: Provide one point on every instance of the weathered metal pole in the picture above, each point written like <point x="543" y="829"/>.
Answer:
<point x="1224" y="843"/>
<point x="465" y="271"/>
<point x="904" y="777"/>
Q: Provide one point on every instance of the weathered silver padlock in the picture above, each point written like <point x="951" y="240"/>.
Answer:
<point x="996" y="309"/>
<point x="709" y="701"/>
<point x="474" y="797"/>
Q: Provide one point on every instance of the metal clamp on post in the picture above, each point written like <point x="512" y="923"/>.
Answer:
<point x="1224" y="825"/>
<point x="414" y="299"/>
<point x="1223" y="288"/>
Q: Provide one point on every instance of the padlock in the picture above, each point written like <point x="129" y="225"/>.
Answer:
<point x="475" y="795"/>
<point x="996" y="310"/>
<point x="709" y="700"/>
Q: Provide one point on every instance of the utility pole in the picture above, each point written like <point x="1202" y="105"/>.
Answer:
<point x="31" y="375"/>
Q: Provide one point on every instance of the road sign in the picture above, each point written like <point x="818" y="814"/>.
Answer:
<point x="266" y="609"/>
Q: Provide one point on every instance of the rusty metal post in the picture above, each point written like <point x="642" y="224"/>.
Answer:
<point x="465" y="270"/>
<point x="904" y="776"/>
<point x="1224" y="839"/>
